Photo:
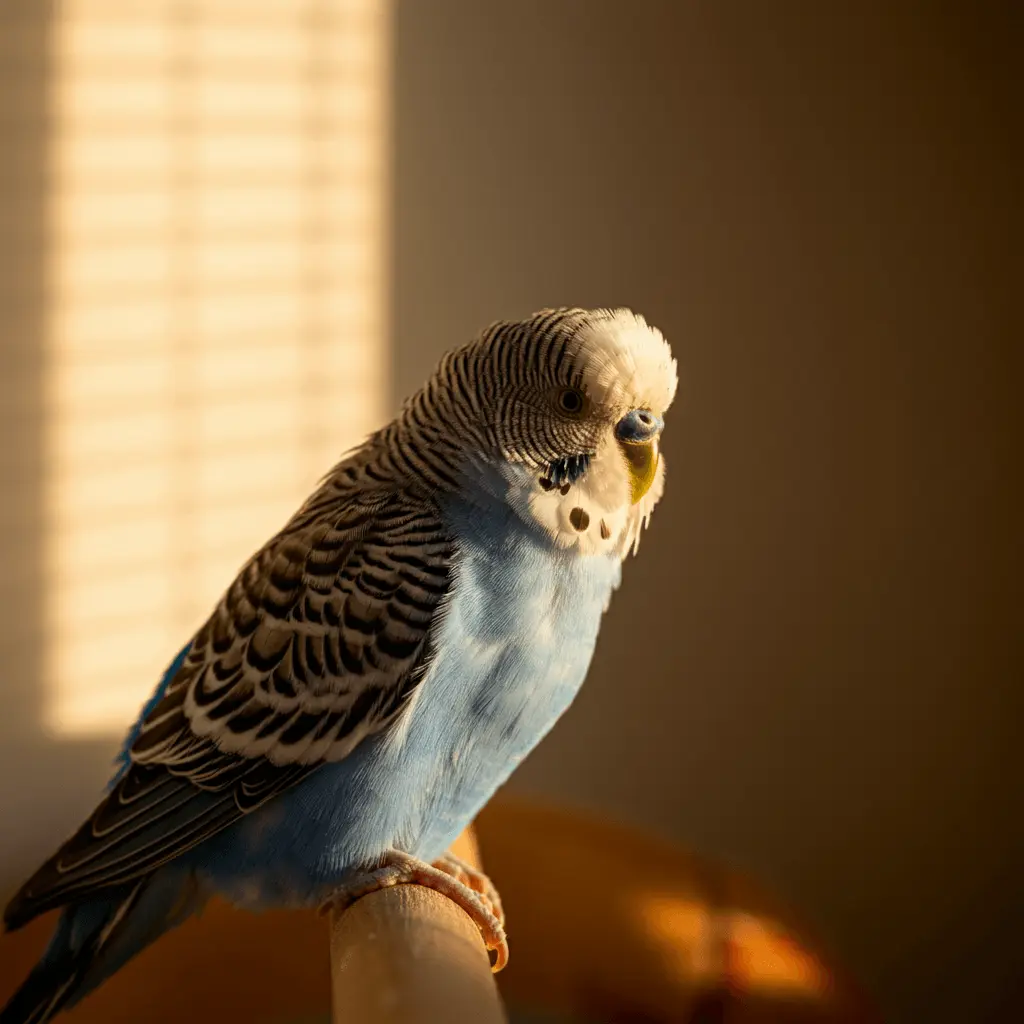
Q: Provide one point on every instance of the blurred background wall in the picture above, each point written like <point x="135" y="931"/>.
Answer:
<point x="808" y="670"/>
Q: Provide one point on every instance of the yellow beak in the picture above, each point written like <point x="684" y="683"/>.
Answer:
<point x="642" y="461"/>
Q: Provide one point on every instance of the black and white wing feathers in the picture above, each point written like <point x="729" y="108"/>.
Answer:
<point x="319" y="642"/>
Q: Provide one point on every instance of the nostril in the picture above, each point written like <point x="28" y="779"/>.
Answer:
<point x="638" y="426"/>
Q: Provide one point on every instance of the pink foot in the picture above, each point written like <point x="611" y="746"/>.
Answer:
<point x="475" y="880"/>
<point x="472" y="890"/>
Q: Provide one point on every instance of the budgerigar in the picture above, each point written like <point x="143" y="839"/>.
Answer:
<point x="383" y="663"/>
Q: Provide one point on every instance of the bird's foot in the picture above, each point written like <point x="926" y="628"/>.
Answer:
<point x="464" y="885"/>
<point x="475" y="879"/>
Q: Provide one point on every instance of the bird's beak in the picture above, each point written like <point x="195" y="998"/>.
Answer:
<point x="642" y="461"/>
<point x="637" y="434"/>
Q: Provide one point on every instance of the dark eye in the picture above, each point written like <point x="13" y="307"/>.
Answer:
<point x="571" y="401"/>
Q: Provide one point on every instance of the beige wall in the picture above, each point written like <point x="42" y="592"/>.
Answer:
<point x="808" y="668"/>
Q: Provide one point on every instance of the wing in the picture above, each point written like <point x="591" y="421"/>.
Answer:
<point x="318" y="643"/>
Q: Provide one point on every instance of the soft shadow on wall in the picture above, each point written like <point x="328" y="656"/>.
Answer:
<point x="43" y="787"/>
<point x="809" y="668"/>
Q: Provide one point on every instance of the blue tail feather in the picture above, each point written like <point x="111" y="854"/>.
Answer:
<point x="93" y="940"/>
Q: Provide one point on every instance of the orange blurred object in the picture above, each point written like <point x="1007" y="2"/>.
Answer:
<point x="605" y="924"/>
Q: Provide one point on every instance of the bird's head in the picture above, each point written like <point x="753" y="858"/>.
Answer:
<point x="571" y="405"/>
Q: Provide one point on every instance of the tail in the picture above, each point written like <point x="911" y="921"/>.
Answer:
<point x="93" y="940"/>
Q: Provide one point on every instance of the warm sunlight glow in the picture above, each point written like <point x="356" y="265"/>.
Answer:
<point x="766" y="959"/>
<point x="710" y="946"/>
<point x="216" y="330"/>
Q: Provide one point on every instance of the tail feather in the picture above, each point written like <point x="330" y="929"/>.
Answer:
<point x="42" y="996"/>
<point x="93" y="940"/>
<point x="52" y="982"/>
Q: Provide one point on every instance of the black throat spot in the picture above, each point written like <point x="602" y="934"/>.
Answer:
<point x="565" y="471"/>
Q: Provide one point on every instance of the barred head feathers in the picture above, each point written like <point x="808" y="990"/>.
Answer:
<point x="536" y="408"/>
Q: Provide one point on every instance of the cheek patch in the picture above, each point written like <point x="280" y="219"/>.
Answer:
<point x="580" y="519"/>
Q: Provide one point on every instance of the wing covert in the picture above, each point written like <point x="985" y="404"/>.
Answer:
<point x="318" y="642"/>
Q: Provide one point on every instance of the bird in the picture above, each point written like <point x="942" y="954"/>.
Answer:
<point x="384" y="662"/>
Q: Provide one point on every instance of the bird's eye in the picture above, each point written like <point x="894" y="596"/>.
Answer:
<point x="571" y="401"/>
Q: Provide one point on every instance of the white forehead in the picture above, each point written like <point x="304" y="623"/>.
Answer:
<point x="626" y="363"/>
